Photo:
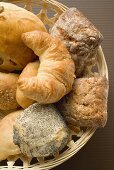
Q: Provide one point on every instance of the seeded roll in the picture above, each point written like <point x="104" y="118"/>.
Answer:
<point x="40" y="131"/>
<point x="8" y="86"/>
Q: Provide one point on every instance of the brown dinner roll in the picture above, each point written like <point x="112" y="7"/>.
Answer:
<point x="86" y="105"/>
<point x="8" y="86"/>
<point x="14" y="54"/>
<point x="79" y="36"/>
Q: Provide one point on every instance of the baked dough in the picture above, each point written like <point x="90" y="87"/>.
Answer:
<point x="8" y="86"/>
<point x="14" y="21"/>
<point x="86" y="105"/>
<point x="7" y="146"/>
<point x="29" y="71"/>
<point x="56" y="71"/>
<point x="40" y="131"/>
<point x="80" y="37"/>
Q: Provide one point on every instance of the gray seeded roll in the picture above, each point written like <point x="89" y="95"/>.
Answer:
<point x="40" y="131"/>
<point x="80" y="37"/>
<point x="86" y="105"/>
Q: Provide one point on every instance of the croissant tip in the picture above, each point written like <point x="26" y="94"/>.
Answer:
<point x="21" y="83"/>
<point x="23" y="36"/>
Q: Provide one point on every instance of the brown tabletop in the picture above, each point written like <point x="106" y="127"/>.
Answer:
<point x="98" y="153"/>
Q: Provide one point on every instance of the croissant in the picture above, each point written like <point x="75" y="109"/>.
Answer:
<point x="14" y="21"/>
<point x="7" y="146"/>
<point x="29" y="71"/>
<point x="56" y="71"/>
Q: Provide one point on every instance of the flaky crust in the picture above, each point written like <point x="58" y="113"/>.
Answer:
<point x="86" y="105"/>
<point x="29" y="71"/>
<point x="56" y="71"/>
<point x="14" y="21"/>
<point x="7" y="146"/>
<point x="8" y="86"/>
<point x="80" y="37"/>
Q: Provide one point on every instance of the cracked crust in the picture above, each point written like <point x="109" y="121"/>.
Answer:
<point x="79" y="36"/>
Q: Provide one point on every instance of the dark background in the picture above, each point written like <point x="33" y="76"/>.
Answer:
<point x="98" y="153"/>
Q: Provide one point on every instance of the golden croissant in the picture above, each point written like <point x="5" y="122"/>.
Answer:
<point x="56" y="71"/>
<point x="29" y="71"/>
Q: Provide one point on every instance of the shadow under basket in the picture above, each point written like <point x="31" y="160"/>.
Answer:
<point x="49" y="11"/>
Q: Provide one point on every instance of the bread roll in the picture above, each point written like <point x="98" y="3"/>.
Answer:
<point x="14" y="21"/>
<point x="7" y="146"/>
<point x="56" y="71"/>
<point x="29" y="71"/>
<point x="79" y="36"/>
<point x="8" y="86"/>
<point x="1" y="115"/>
<point x="40" y="131"/>
<point x="86" y="105"/>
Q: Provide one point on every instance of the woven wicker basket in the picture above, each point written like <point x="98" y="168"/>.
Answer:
<point x="77" y="140"/>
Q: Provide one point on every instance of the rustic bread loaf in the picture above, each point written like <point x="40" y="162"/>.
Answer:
<point x="86" y="105"/>
<point x="79" y="36"/>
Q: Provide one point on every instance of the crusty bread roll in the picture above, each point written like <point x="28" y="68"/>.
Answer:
<point x="86" y="105"/>
<point x="8" y="86"/>
<point x="7" y="146"/>
<point x="14" y="21"/>
<point x="1" y="115"/>
<point x="56" y="71"/>
<point x="40" y="131"/>
<point x="80" y="37"/>
<point x="29" y="71"/>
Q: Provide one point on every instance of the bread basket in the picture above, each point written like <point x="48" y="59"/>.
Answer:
<point x="49" y="11"/>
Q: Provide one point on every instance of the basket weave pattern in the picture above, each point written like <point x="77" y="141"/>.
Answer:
<point x="82" y="137"/>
